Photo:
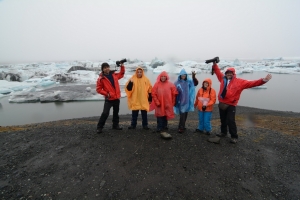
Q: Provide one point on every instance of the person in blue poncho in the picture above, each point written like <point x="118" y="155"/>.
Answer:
<point x="185" y="98"/>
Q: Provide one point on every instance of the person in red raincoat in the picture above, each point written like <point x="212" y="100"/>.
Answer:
<point x="230" y="91"/>
<point x="163" y="100"/>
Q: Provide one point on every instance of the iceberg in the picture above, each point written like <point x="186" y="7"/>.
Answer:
<point x="156" y="62"/>
<point x="75" y="81"/>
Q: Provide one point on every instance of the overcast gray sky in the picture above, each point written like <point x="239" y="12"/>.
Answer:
<point x="61" y="30"/>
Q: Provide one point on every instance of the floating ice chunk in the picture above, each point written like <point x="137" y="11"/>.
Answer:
<point x="88" y="89"/>
<point x="236" y="62"/>
<point x="133" y="66"/>
<point x="24" y="98"/>
<point x="279" y="71"/>
<point x="167" y="67"/>
<point x="270" y="59"/>
<point x="5" y="91"/>
<point x="156" y="62"/>
<point x="187" y="63"/>
<point x="46" y="83"/>
<point x="247" y="70"/>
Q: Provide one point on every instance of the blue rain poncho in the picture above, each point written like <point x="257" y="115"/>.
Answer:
<point x="186" y="94"/>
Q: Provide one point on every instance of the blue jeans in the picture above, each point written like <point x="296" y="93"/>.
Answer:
<point x="204" y="121"/>
<point x="135" y="114"/>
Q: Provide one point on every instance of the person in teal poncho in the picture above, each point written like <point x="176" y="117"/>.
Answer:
<point x="185" y="98"/>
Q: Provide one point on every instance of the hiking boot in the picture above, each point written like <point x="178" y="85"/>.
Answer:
<point x="181" y="130"/>
<point x="198" y="131"/>
<point x="99" y="130"/>
<point x="207" y="133"/>
<point x="165" y="135"/>
<point x="146" y="128"/>
<point x="131" y="127"/>
<point x="215" y="140"/>
<point x="221" y="134"/>
<point x="233" y="140"/>
<point x="117" y="127"/>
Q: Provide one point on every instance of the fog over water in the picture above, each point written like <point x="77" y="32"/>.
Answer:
<point x="280" y="95"/>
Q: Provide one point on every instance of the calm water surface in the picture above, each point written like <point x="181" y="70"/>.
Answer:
<point x="281" y="94"/>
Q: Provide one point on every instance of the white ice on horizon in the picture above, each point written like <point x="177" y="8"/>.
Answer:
<point x="36" y="78"/>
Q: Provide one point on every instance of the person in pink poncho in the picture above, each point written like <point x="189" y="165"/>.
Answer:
<point x="163" y="100"/>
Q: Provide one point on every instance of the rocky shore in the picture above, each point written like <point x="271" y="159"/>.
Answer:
<point x="68" y="160"/>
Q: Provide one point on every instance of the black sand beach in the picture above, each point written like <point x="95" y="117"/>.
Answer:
<point x="68" y="160"/>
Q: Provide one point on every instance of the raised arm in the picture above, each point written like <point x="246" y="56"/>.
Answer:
<point x="218" y="72"/>
<point x="122" y="72"/>
<point x="195" y="80"/>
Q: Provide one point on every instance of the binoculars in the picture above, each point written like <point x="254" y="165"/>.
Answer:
<point x="121" y="62"/>
<point x="216" y="60"/>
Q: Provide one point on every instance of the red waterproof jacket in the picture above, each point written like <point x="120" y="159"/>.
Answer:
<point x="105" y="87"/>
<point x="235" y="86"/>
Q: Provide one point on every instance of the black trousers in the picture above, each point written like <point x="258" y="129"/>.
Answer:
<point x="228" y="119"/>
<point x="107" y="105"/>
<point x="135" y="114"/>
<point x="162" y="123"/>
<point x="182" y="120"/>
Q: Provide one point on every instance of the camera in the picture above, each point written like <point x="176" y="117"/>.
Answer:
<point x="121" y="62"/>
<point x="216" y="59"/>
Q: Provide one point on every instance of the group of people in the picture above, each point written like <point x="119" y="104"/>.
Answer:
<point x="168" y="99"/>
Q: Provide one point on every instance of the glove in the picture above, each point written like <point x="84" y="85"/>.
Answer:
<point x="203" y="108"/>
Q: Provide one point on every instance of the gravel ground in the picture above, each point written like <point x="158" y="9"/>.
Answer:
<point x="68" y="160"/>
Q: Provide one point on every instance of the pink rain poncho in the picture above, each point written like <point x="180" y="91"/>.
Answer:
<point x="163" y="97"/>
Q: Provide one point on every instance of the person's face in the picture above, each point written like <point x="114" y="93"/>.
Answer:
<point x="139" y="73"/>
<point x="229" y="75"/>
<point x="205" y="84"/>
<point x="183" y="76"/>
<point x="106" y="70"/>
<point x="163" y="78"/>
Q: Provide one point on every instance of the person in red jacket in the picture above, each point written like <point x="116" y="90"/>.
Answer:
<point x="231" y="88"/>
<point x="108" y="86"/>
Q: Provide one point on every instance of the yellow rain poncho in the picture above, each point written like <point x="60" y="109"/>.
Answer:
<point x="137" y="98"/>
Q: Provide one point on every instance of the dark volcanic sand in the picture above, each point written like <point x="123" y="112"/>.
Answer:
<point x="68" y="160"/>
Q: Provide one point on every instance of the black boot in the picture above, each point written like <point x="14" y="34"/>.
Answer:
<point x="117" y="127"/>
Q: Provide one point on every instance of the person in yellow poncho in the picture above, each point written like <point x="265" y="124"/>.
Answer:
<point x="138" y="90"/>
